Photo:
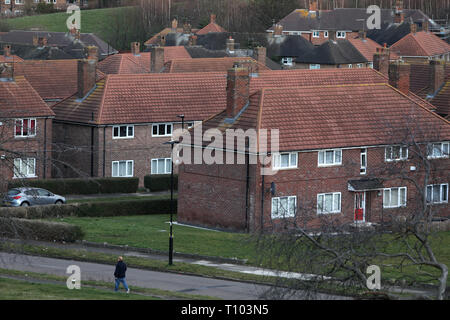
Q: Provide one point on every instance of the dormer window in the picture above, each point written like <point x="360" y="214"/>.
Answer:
<point x="287" y="61"/>
<point x="316" y="34"/>
<point x="340" y="34"/>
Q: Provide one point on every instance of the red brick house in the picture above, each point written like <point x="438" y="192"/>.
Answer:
<point x="343" y="146"/>
<point x="25" y="130"/>
<point x="17" y="7"/>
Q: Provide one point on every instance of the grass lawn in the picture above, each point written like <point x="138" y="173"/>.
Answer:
<point x="152" y="231"/>
<point x="12" y="289"/>
<point x="123" y="198"/>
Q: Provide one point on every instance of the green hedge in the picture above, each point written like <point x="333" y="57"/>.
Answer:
<point x="81" y="186"/>
<point x="160" y="182"/>
<point x="39" y="230"/>
<point x="92" y="209"/>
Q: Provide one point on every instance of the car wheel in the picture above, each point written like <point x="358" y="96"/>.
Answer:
<point x="24" y="204"/>
<point x="59" y="202"/>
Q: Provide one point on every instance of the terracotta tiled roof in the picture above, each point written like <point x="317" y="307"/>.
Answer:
<point x="146" y="98"/>
<point x="52" y="79"/>
<point x="321" y="117"/>
<point x="126" y="63"/>
<point x="19" y="99"/>
<point x="442" y="100"/>
<point x="367" y="47"/>
<point x="211" y="27"/>
<point x="11" y="58"/>
<point x="157" y="37"/>
<point x="420" y="44"/>
<point x="175" y="52"/>
<point x="209" y="64"/>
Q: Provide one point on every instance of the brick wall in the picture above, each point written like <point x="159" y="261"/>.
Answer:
<point x="214" y="196"/>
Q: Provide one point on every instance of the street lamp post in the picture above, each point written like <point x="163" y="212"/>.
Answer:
<point x="182" y="120"/>
<point x="172" y="143"/>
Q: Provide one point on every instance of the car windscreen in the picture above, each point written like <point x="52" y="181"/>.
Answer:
<point x="13" y="192"/>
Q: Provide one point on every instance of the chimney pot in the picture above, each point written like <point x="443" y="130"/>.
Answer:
<point x="213" y="18"/>
<point x="230" y="45"/>
<point x="278" y="30"/>
<point x="399" y="74"/>
<point x="7" y="50"/>
<point x="42" y="42"/>
<point x="174" y="25"/>
<point x="381" y="60"/>
<point x="92" y="53"/>
<point x="238" y="84"/>
<point x="261" y="54"/>
<point x="136" y="48"/>
<point x="413" y="28"/>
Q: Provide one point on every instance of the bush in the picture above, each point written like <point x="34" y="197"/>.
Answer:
<point x="81" y="186"/>
<point x="160" y="182"/>
<point x="92" y="209"/>
<point x="45" y="8"/>
<point x="39" y="230"/>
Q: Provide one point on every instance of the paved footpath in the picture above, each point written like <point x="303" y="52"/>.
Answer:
<point x="222" y="289"/>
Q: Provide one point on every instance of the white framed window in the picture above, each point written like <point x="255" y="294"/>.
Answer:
<point x="394" y="197"/>
<point x="123" y="132"/>
<point x="123" y="168"/>
<point x="329" y="203"/>
<point x="316" y="34"/>
<point x="325" y="34"/>
<point x="7" y="1"/>
<point x="350" y="66"/>
<point x="25" y="168"/>
<point x="19" y="1"/>
<point x="359" y="65"/>
<point x="314" y="66"/>
<point x="161" y="166"/>
<point x="162" y="129"/>
<point x="363" y="169"/>
<point x="371" y="65"/>
<point x="25" y="128"/>
<point x="287" y="61"/>
<point x="395" y="153"/>
<point x="330" y="157"/>
<point x="438" y="150"/>
<point x="284" y="207"/>
<point x="341" y="34"/>
<point x="437" y="193"/>
<point x="285" y="160"/>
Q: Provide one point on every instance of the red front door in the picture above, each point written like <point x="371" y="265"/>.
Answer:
<point x="360" y="206"/>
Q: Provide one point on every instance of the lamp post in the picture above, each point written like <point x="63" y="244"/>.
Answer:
<point x="172" y="143"/>
<point x="182" y="120"/>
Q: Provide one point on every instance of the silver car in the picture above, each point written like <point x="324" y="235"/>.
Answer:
<point x="24" y="197"/>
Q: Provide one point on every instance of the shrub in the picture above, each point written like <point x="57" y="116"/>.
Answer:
<point x="45" y="8"/>
<point x="39" y="230"/>
<point x="92" y="209"/>
<point x="81" y="186"/>
<point x="160" y="182"/>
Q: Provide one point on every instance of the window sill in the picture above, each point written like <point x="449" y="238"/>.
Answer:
<point x="25" y="177"/>
<point x="122" y="138"/>
<point x="399" y="207"/>
<point x="329" y="165"/>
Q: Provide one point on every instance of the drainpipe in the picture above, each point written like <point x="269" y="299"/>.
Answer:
<point x="247" y="187"/>
<point x="104" y="151"/>
<point x="92" y="148"/>
<point x="45" y="148"/>
<point x="262" y="201"/>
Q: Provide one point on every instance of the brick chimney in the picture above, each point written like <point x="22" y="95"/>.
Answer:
<point x="192" y="40"/>
<point x="399" y="14"/>
<point x="362" y="35"/>
<point x="174" y="25"/>
<point x="238" y="84"/>
<point x="35" y="41"/>
<point x="230" y="45"/>
<point x="157" y="59"/>
<point x="7" y="50"/>
<point x="260" y="55"/>
<point x="187" y="28"/>
<point x="437" y="75"/>
<point x="86" y="76"/>
<point x="136" y="48"/>
<point x="413" y="28"/>
<point x="213" y="18"/>
<point x="313" y="6"/>
<point x="381" y="60"/>
<point x="426" y="26"/>
<point x="399" y="74"/>
<point x="92" y="53"/>
<point x="42" y="42"/>
<point x="278" y="30"/>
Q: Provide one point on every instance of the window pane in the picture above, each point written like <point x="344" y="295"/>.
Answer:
<point x="321" y="157"/>
<point x="338" y="156"/>
<point x="276" y="161"/>
<point x="329" y="157"/>
<point x="436" y="194"/>
<point x="155" y="130"/>
<point x="429" y="194"/>
<point x="123" y="131"/>
<point x="169" y="129"/>
<point x="445" y="149"/>
<point x="283" y="206"/>
<point x="387" y="198"/>
<point x="115" y="169"/>
<point x="31" y="167"/>
<point x="388" y="153"/>
<point x="404" y="154"/>
<point x="337" y="202"/>
<point x="394" y="197"/>
<point x="32" y="127"/>
<point x="115" y="132"/>
<point x="292" y="206"/>
<point x="320" y="204"/>
<point x="162" y="129"/>
<point x="130" y="168"/>
<point x="444" y="190"/>
<point x="168" y="166"/>
<point x="122" y="168"/>
<point x="403" y="197"/>
<point x="161" y="166"/>
<point x="436" y="150"/>
<point x="18" y="127"/>
<point x="154" y="169"/>
<point x="328" y="202"/>
<point x="284" y="160"/>
<point x="274" y="207"/>
<point x="130" y="131"/>
<point x="17" y="163"/>
<point x="293" y="162"/>
<point x="396" y="153"/>
<point x="25" y="127"/>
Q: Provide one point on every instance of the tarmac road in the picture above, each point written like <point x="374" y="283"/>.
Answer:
<point x="223" y="289"/>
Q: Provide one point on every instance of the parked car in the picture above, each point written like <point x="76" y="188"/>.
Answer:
<point x="24" y="197"/>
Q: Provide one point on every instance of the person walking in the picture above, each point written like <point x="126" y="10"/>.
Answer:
<point x="119" y="274"/>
